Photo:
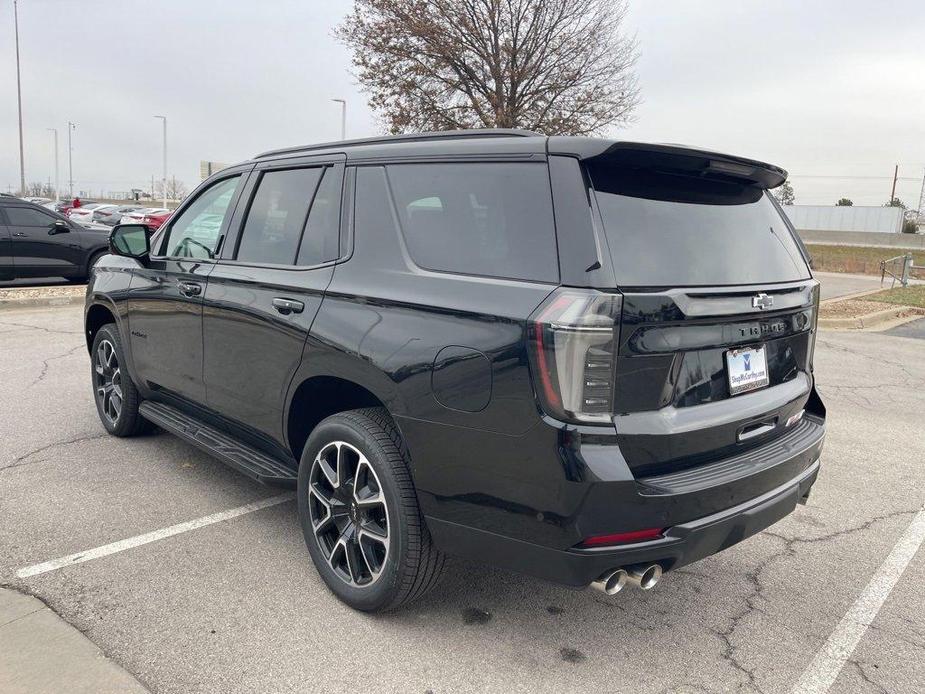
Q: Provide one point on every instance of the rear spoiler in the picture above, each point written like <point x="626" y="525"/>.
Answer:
<point x="666" y="158"/>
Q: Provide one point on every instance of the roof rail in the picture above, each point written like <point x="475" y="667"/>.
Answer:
<point x="411" y="137"/>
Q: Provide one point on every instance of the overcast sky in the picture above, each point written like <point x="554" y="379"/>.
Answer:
<point x="825" y="89"/>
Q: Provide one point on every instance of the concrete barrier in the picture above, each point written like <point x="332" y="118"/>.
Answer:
<point x="863" y="238"/>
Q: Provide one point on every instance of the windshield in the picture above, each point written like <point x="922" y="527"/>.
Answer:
<point x="668" y="230"/>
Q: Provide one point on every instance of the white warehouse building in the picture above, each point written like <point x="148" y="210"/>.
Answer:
<point x="887" y="220"/>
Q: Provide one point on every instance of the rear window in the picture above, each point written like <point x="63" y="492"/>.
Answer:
<point x="493" y="220"/>
<point x="666" y="230"/>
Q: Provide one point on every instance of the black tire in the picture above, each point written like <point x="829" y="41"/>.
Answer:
<point x="412" y="565"/>
<point x="82" y="279"/>
<point x="127" y="422"/>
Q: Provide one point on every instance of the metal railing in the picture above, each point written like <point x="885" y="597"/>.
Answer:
<point x="899" y="269"/>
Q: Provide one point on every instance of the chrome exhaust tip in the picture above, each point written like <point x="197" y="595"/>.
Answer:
<point x="611" y="582"/>
<point x="644" y="576"/>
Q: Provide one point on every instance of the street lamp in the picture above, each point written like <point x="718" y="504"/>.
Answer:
<point x="57" y="185"/>
<point x="70" y="159"/>
<point x="343" y="118"/>
<point x="22" y="161"/>
<point x="164" y="182"/>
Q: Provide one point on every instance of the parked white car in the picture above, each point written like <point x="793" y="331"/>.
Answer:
<point x="84" y="213"/>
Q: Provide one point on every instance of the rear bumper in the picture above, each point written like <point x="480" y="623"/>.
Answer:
<point x="682" y="544"/>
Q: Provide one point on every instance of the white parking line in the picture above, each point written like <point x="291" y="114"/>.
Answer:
<point x="153" y="536"/>
<point x="824" y="668"/>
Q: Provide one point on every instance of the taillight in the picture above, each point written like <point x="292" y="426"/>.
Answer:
<point x="573" y="339"/>
<point x="812" y="334"/>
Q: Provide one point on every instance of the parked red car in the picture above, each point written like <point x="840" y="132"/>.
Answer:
<point x="155" y="220"/>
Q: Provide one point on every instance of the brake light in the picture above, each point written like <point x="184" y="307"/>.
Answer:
<point x="573" y="343"/>
<point x="815" y="327"/>
<point x="622" y="538"/>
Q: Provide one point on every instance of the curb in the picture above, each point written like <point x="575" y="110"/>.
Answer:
<point x="43" y="654"/>
<point x="872" y="320"/>
<point x="854" y="295"/>
<point x="39" y="301"/>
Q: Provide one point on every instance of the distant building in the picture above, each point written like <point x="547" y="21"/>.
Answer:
<point x="207" y="168"/>
<point x="888" y="220"/>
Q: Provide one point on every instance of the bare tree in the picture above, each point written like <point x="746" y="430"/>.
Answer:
<point x="176" y="190"/>
<point x="38" y="189"/>
<point x="555" y="66"/>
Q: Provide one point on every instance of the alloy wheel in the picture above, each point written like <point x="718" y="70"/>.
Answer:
<point x="108" y="381"/>
<point x="349" y="516"/>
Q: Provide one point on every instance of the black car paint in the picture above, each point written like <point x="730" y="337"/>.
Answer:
<point x="446" y="354"/>
<point x="62" y="248"/>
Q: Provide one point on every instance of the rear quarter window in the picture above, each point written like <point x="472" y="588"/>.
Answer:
<point x="489" y="219"/>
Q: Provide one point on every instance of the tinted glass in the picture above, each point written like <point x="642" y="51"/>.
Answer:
<point x="131" y="240"/>
<point x="320" y="240"/>
<point x="478" y="219"/>
<point x="277" y="216"/>
<point x="28" y="217"/>
<point x="195" y="232"/>
<point x="680" y="231"/>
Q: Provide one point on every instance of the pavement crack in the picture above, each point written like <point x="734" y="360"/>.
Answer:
<point x="751" y="601"/>
<point x="25" y="459"/>
<point x="45" y="363"/>
<point x="859" y="666"/>
<point x="903" y="367"/>
<point x="866" y="525"/>
<point x="53" y="331"/>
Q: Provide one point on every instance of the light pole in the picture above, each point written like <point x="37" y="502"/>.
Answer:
<point x="22" y="161"/>
<point x="343" y="118"/>
<point x="57" y="185"/>
<point x="164" y="182"/>
<point x="71" y="127"/>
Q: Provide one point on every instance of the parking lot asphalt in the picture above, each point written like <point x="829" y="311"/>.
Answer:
<point x="838" y="284"/>
<point x="236" y="606"/>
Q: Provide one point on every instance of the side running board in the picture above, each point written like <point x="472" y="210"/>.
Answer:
<point x="234" y="453"/>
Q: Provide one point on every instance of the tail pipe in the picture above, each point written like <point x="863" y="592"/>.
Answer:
<point x="645" y="576"/>
<point x="611" y="582"/>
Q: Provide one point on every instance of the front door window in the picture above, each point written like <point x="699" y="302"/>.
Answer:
<point x="195" y="233"/>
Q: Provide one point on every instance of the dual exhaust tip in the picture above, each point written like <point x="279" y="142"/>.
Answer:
<point x="644" y="576"/>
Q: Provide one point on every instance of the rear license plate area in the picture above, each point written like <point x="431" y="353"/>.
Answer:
<point x="746" y="369"/>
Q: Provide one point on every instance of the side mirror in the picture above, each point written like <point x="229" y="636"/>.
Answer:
<point x="59" y="227"/>
<point x="131" y="241"/>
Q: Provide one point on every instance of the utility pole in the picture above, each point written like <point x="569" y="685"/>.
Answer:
<point x="70" y="159"/>
<point x="22" y="160"/>
<point x="57" y="183"/>
<point x="164" y="118"/>
<point x="921" y="214"/>
<point x="343" y="117"/>
<point x="895" y="175"/>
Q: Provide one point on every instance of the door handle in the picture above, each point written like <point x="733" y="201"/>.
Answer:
<point x="751" y="431"/>
<point x="287" y="306"/>
<point x="190" y="288"/>
<point x="19" y="233"/>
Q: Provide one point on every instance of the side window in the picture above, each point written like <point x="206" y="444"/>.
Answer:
<point x="320" y="242"/>
<point x="27" y="217"/>
<point x="478" y="219"/>
<point x="195" y="232"/>
<point x="277" y="216"/>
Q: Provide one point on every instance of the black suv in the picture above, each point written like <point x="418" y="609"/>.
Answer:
<point x="587" y="360"/>
<point x="37" y="242"/>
